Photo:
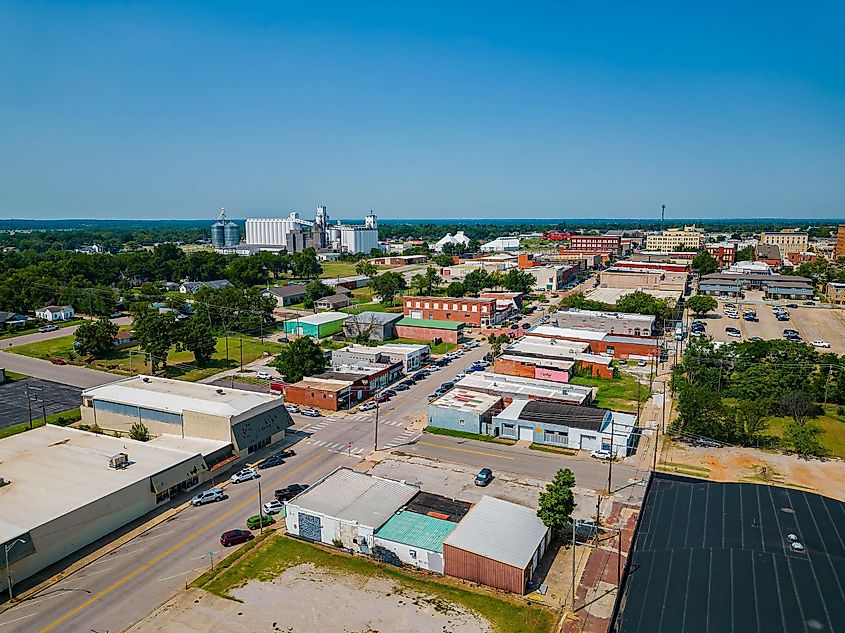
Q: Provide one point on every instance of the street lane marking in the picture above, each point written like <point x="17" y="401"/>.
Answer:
<point x="94" y="573"/>
<point x="23" y="617"/>
<point x="169" y="551"/>
<point x="182" y="574"/>
<point x="463" y="450"/>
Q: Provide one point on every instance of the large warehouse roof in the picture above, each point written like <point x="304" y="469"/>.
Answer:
<point x="500" y="530"/>
<point x="176" y="396"/>
<point x="352" y="496"/>
<point x="712" y="556"/>
<point x="54" y="470"/>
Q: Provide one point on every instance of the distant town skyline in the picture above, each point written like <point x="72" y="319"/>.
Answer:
<point x="487" y="110"/>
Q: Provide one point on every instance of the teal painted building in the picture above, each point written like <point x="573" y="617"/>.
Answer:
<point x="414" y="539"/>
<point x="317" y="325"/>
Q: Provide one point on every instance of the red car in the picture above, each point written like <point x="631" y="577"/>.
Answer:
<point x="233" y="537"/>
<point x="58" y="361"/>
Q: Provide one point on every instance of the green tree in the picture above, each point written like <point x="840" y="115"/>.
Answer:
<point x="425" y="281"/>
<point x="388" y="285"/>
<point x="368" y="269"/>
<point x="799" y="406"/>
<point x="299" y="358"/>
<point x="704" y="264"/>
<point x="803" y="439"/>
<point x="443" y="260"/>
<point x="475" y="281"/>
<point x="456" y="289"/>
<point x="496" y="342"/>
<point x="750" y="419"/>
<point x="195" y="336"/>
<point x="745" y="254"/>
<point x="304" y="264"/>
<point x="95" y="338"/>
<point x="701" y="304"/>
<point x="516" y="280"/>
<point x="700" y="412"/>
<point x="156" y="334"/>
<point x="315" y="291"/>
<point x="639" y="302"/>
<point x="558" y="501"/>
<point x="139" y="432"/>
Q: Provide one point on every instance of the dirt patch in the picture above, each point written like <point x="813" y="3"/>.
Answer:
<point x="304" y="599"/>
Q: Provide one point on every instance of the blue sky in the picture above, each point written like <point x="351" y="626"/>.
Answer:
<point x="426" y="109"/>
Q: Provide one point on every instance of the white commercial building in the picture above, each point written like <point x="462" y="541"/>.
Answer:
<point x="458" y="239"/>
<point x="62" y="489"/>
<point x="294" y="233"/>
<point x="288" y="233"/>
<point x="501" y="244"/>
<point x="411" y="355"/>
<point x="244" y="420"/>
<point x="516" y="387"/>
<point x="346" y="507"/>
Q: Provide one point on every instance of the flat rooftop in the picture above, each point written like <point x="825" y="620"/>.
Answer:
<point x="176" y="396"/>
<point x="589" y="314"/>
<point x="612" y="295"/>
<point x="559" y="363"/>
<point x="551" y="331"/>
<point x="517" y="386"/>
<point x="320" y="318"/>
<point x="711" y="556"/>
<point x="570" y="415"/>
<point x="55" y="470"/>
<point x="466" y="400"/>
<point x="416" y="530"/>
<point x="386" y="348"/>
<point x="546" y="346"/>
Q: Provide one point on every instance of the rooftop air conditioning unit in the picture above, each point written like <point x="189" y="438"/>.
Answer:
<point x="121" y="460"/>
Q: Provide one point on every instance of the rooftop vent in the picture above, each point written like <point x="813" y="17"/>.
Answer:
<point x="121" y="460"/>
<point x="3" y="482"/>
<point x="146" y="379"/>
<point x="220" y="392"/>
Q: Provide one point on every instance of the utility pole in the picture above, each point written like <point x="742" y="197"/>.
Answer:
<point x="242" y="353"/>
<point x="612" y="457"/>
<point x="260" y="511"/>
<point x="29" y="406"/>
<point x="8" y="547"/>
<point x="662" y="216"/>
<point x="375" y="438"/>
<point x="598" y="518"/>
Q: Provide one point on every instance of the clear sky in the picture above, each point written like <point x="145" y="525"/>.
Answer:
<point x="422" y="109"/>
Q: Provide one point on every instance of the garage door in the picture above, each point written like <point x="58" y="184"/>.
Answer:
<point x="526" y="433"/>
<point x="589" y="442"/>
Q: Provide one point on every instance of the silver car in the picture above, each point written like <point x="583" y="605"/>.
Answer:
<point x="209" y="496"/>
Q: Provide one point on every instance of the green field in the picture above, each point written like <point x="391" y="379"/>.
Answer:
<point x="617" y="394"/>
<point x="131" y="361"/>
<point x="269" y="557"/>
<point x="831" y="423"/>
<point x="338" y="269"/>
<point x="12" y="333"/>
<point x="377" y="306"/>
<point x="440" y="348"/>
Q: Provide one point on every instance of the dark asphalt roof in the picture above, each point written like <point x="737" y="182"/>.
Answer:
<point x="427" y="502"/>
<point x="571" y="415"/>
<point x="714" y="557"/>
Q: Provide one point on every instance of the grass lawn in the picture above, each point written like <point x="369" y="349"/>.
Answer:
<point x="618" y="394"/>
<point x="180" y="364"/>
<point x="469" y="436"/>
<point x="440" y="348"/>
<point x="271" y="556"/>
<point x="32" y="330"/>
<point x="338" y="269"/>
<point x="831" y="422"/>
<point x="13" y="375"/>
<point x="62" y="418"/>
<point x="377" y="306"/>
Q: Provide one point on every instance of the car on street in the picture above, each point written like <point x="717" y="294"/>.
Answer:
<point x="292" y="408"/>
<point x="732" y="331"/>
<point x="273" y="507"/>
<point x="484" y="477"/>
<point x="782" y="317"/>
<point x="245" y="474"/>
<point x="601" y="453"/>
<point x="791" y="305"/>
<point x="515" y="326"/>
<point x="368" y="406"/>
<point x="446" y="385"/>
<point x="526" y="325"/>
<point x="820" y="343"/>
<point x="259" y="520"/>
<point x="209" y="496"/>
<point x="755" y="339"/>
<point x="58" y="361"/>
<point x="289" y="492"/>
<point x="381" y="398"/>
<point x="48" y="328"/>
<point x="263" y="375"/>
<point x="641" y="363"/>
<point x="285" y="453"/>
<point x="234" y="537"/>
<point x="401" y="387"/>
<point x="310" y="412"/>
<point x="271" y="461"/>
<point x="809" y="303"/>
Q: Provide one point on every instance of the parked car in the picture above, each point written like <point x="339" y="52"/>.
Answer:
<point x="790" y="331"/>
<point x="820" y="343"/>
<point x="209" y="496"/>
<point x="622" y="361"/>
<point x="263" y="375"/>
<point x="245" y="474"/>
<point x="526" y="325"/>
<point x="401" y="387"/>
<point x="285" y="453"/>
<point x="289" y="492"/>
<point x="259" y="520"/>
<point x="381" y="398"/>
<point x="601" y="454"/>
<point x="310" y="412"/>
<point x="755" y="339"/>
<point x="809" y="303"/>
<point x="389" y="392"/>
<point x="791" y="305"/>
<point x="234" y="537"/>
<point x="484" y="477"/>
<point x="732" y="331"/>
<point x="58" y="361"/>
<point x="641" y="363"/>
<point x="368" y="406"/>
<point x="292" y="408"/>
<point x="48" y="328"/>
<point x="271" y="461"/>
<point x="273" y="507"/>
<point x="515" y="326"/>
<point x="446" y="385"/>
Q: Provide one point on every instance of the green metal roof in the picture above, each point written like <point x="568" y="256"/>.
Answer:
<point x="416" y="530"/>
<point x="439" y="325"/>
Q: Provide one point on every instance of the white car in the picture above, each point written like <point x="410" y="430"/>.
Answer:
<point x="368" y="406"/>
<point x="209" y="496"/>
<point x="263" y="375"/>
<point x="244" y="475"/>
<point x="461" y="375"/>
<point x="292" y="408"/>
<point x="821" y="344"/>
<point x="273" y="507"/>
<point x="601" y="454"/>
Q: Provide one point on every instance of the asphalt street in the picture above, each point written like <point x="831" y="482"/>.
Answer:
<point x="81" y="377"/>
<point x="46" y="336"/>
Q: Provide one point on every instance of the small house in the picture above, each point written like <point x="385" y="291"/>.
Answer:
<point x="55" y="313"/>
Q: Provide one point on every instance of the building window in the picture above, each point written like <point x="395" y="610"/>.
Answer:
<point x="508" y="430"/>
<point x="461" y="422"/>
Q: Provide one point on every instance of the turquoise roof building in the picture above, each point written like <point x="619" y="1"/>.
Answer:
<point x="413" y="539"/>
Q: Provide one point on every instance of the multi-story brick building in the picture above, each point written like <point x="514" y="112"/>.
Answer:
<point x="669" y="240"/>
<point x="471" y="310"/>
<point x="787" y="241"/>
<point x="723" y="253"/>
<point x="839" y="250"/>
<point x="836" y="293"/>
<point x="612" y="243"/>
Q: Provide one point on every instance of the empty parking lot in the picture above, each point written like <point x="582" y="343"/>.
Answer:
<point x="43" y="395"/>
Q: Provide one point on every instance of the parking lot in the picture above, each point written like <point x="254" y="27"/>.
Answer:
<point x="817" y="322"/>
<point x="55" y="397"/>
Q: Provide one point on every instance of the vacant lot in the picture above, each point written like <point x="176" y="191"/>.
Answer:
<point x="618" y="394"/>
<point x="181" y="364"/>
<point x="304" y="588"/>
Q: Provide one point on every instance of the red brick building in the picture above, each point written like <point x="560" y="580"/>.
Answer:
<point x="724" y="254"/>
<point x="612" y="243"/>
<point x="475" y="310"/>
<point x="606" y="256"/>
<point x="429" y="330"/>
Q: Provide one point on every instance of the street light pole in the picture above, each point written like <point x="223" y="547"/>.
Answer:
<point x="8" y="547"/>
<point x="260" y="511"/>
<point x="375" y="436"/>
<point x="612" y="457"/>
